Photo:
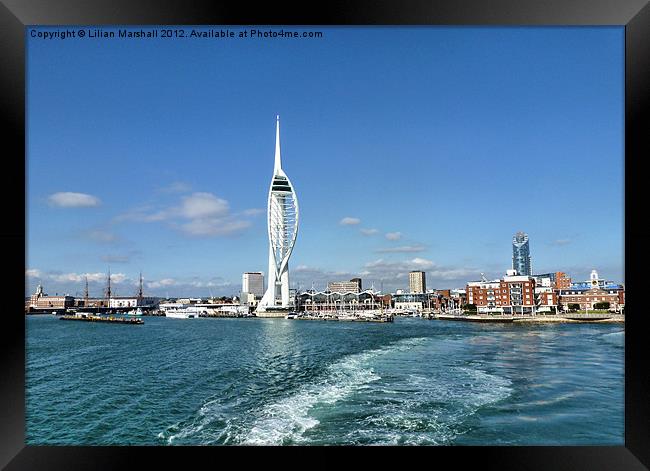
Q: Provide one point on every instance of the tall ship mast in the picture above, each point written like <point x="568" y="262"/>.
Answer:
<point x="140" y="291"/>
<point x="86" y="293"/>
<point x="108" y="289"/>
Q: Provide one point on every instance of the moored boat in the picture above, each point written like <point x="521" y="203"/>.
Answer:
<point x="182" y="313"/>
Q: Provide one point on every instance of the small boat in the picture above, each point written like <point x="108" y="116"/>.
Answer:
<point x="291" y="315"/>
<point x="182" y="313"/>
<point x="136" y="312"/>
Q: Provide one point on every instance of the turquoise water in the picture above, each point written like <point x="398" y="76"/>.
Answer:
<point x="276" y="381"/>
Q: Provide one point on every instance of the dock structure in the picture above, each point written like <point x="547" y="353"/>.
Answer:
<point x="345" y="316"/>
<point x="109" y="319"/>
<point x="568" y="318"/>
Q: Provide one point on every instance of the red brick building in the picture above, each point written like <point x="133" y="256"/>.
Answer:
<point x="512" y="294"/>
<point x="562" y="281"/>
<point x="615" y="296"/>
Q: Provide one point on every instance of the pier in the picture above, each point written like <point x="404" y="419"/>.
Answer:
<point x="569" y="318"/>
<point x="344" y="316"/>
<point x="110" y="319"/>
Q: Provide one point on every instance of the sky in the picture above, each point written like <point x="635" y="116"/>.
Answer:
<point x="411" y="148"/>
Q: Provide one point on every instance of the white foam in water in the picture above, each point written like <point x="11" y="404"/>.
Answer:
<point x="208" y="413"/>
<point x="407" y="418"/>
<point x="617" y="338"/>
<point x="434" y="413"/>
<point x="288" y="419"/>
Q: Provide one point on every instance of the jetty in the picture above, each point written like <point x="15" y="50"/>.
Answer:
<point x="109" y="319"/>
<point x="471" y="318"/>
<point x="532" y="319"/>
<point x="345" y="316"/>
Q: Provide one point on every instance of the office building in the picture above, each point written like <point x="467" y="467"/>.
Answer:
<point x="417" y="282"/>
<point x="521" y="254"/>
<point x="343" y="286"/>
<point x="253" y="283"/>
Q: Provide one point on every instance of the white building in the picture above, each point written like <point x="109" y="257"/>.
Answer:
<point x="132" y="301"/>
<point x="343" y="286"/>
<point x="253" y="282"/>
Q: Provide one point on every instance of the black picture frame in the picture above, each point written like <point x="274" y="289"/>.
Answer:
<point x="633" y="14"/>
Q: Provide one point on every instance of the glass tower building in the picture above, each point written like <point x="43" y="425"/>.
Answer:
<point x="521" y="254"/>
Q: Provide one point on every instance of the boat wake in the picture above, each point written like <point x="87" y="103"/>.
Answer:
<point x="286" y="421"/>
<point x="390" y="395"/>
<point x="616" y="338"/>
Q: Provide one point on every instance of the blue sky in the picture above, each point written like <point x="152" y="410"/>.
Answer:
<point x="437" y="143"/>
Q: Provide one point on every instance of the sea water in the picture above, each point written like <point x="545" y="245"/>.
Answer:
<point x="290" y="382"/>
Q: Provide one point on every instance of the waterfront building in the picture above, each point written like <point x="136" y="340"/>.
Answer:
<point x="253" y="282"/>
<point x="417" y="282"/>
<point x="446" y="299"/>
<point x="521" y="254"/>
<point x="54" y="302"/>
<point x="594" y="281"/>
<point x="42" y="301"/>
<point x="36" y="296"/>
<point x="282" y="223"/>
<point x="414" y="301"/>
<point x="249" y="299"/>
<point x="562" y="281"/>
<point x="320" y="301"/>
<point x="545" y="298"/>
<point x="485" y="295"/>
<point x="512" y="294"/>
<point x="95" y="302"/>
<point x="589" y="292"/>
<point x="132" y="301"/>
<point x="586" y="298"/>
<point x="358" y="282"/>
<point x="546" y="279"/>
<point x="344" y="286"/>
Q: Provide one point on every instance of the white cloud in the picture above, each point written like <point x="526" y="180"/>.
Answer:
<point x="422" y="262"/>
<point x="200" y="214"/>
<point x="118" y="277"/>
<point x="393" y="235"/>
<point x="177" y="187"/>
<point x="80" y="277"/>
<point x="201" y="205"/>
<point x="165" y="282"/>
<point x="213" y="227"/>
<point x="102" y="236"/>
<point x="348" y="221"/>
<point x="67" y="199"/>
<point x="33" y="273"/>
<point x="253" y="212"/>
<point x="392" y="271"/>
<point x="368" y="232"/>
<point x="192" y="287"/>
<point x="115" y="258"/>
<point x="403" y="249"/>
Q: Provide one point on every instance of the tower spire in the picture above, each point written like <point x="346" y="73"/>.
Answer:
<point x="278" y="159"/>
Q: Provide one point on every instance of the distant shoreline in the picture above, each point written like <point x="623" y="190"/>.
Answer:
<point x="591" y="319"/>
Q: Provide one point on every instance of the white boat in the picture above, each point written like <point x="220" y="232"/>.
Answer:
<point x="137" y="312"/>
<point x="291" y="315"/>
<point x="182" y="313"/>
